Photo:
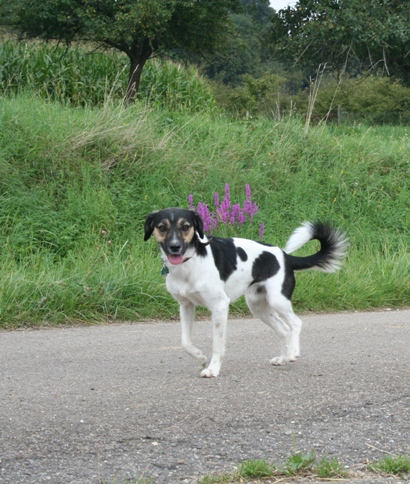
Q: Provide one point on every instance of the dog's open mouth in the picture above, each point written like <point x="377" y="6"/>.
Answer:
<point x="175" y="259"/>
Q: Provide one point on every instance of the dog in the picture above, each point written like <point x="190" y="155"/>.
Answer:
<point x="213" y="272"/>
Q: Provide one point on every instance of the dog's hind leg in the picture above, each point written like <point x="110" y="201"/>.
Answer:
<point x="283" y="310"/>
<point x="219" y="322"/>
<point x="282" y="330"/>
<point x="295" y="325"/>
<point x="187" y="314"/>
<point x="284" y="327"/>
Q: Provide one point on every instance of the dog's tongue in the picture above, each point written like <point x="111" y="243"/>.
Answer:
<point x="175" y="259"/>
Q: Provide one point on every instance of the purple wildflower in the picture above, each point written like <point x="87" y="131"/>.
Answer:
<point x="261" y="230"/>
<point x="216" y="199"/>
<point x="250" y="208"/>
<point x="241" y="217"/>
<point x="247" y="206"/>
<point x="236" y="209"/>
<point x="191" y="202"/>
<point x="226" y="213"/>
<point x="205" y="214"/>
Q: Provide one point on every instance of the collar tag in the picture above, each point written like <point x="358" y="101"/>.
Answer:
<point x="164" y="271"/>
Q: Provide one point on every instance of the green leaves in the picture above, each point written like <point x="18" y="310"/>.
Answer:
<point x="346" y="34"/>
<point x="298" y="462"/>
<point x="137" y="28"/>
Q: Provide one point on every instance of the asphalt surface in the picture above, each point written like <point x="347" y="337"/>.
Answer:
<point x="115" y="402"/>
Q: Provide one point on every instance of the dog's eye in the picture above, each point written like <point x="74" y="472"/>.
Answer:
<point x="185" y="227"/>
<point x="162" y="229"/>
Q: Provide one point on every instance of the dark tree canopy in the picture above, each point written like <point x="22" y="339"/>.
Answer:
<point x="346" y="34"/>
<point x="244" y="51"/>
<point x="139" y="28"/>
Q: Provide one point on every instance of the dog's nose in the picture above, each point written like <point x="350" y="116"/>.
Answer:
<point x="175" y="249"/>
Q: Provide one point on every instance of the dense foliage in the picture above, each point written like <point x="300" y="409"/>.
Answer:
<point x="261" y="62"/>
<point x="139" y="29"/>
<point x="83" y="77"/>
<point x="346" y="35"/>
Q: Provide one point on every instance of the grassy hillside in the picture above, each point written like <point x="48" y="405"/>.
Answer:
<point x="76" y="185"/>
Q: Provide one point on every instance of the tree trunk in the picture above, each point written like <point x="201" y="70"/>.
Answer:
<point x="138" y="55"/>
<point x="134" y="79"/>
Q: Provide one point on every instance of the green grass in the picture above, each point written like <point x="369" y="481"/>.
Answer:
<point x="141" y="480"/>
<point x="300" y="464"/>
<point x="296" y="465"/>
<point x="397" y="465"/>
<point x="77" y="183"/>
<point x="330" y="469"/>
<point x="256" y="469"/>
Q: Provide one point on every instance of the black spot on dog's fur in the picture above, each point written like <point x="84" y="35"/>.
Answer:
<point x="264" y="267"/>
<point x="242" y="254"/>
<point x="224" y="253"/>
<point x="289" y="280"/>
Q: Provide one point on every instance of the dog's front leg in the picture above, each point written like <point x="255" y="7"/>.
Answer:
<point x="187" y="314"/>
<point x="219" y="322"/>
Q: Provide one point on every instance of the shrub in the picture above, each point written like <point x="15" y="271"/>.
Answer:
<point x="373" y="100"/>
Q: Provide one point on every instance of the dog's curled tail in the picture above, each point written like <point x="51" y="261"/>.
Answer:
<point x="333" y="247"/>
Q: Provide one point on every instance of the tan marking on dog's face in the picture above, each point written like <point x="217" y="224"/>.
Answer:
<point x="186" y="230"/>
<point x="162" y="231"/>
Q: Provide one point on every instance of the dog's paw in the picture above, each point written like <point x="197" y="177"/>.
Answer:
<point x="279" y="361"/>
<point x="292" y="356"/>
<point x="209" y="373"/>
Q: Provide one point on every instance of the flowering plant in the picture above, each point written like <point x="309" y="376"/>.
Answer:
<point x="225" y="212"/>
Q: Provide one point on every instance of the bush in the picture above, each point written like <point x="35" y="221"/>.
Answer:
<point x="262" y="96"/>
<point x="372" y="100"/>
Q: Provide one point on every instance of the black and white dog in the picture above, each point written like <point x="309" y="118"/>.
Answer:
<point x="213" y="272"/>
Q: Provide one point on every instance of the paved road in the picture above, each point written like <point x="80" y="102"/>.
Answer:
<point x="107" y="403"/>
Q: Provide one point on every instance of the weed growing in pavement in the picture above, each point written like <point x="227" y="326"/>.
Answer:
<point x="398" y="465"/>
<point x="138" y="480"/>
<point x="296" y="464"/>
<point x="299" y="462"/>
<point x="256" y="469"/>
<point x="327" y="469"/>
<point x="218" y="479"/>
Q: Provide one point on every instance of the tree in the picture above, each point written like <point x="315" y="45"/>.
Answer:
<point x="346" y="34"/>
<point x="139" y="28"/>
<point x="244" y="51"/>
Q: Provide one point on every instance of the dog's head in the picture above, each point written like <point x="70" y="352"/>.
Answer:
<point x="175" y="229"/>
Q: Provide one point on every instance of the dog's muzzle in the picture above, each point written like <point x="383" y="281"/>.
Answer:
<point x="175" y="257"/>
<point x="175" y="251"/>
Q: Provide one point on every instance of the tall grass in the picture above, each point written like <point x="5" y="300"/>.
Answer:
<point x="76" y="185"/>
<point x="79" y="76"/>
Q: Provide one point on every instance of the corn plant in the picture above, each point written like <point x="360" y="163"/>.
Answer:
<point x="80" y="77"/>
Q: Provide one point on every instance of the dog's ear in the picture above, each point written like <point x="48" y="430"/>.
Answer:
<point x="199" y="225"/>
<point x="149" y="225"/>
